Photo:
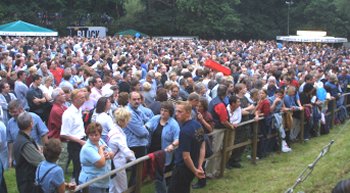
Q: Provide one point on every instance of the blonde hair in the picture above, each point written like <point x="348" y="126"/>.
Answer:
<point x="146" y="86"/>
<point x="122" y="114"/>
<point x="75" y="92"/>
<point x="33" y="70"/>
<point x="187" y="106"/>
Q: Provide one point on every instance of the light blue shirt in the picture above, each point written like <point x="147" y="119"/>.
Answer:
<point x="170" y="133"/>
<point x="21" y="90"/>
<point x="88" y="157"/>
<point x="136" y="133"/>
<point x="38" y="131"/>
<point x="53" y="179"/>
<point x="147" y="112"/>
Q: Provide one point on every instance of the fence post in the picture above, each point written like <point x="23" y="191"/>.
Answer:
<point x="334" y="106"/>
<point x="223" y="152"/>
<point x="138" y="185"/>
<point x="302" y="125"/>
<point x="255" y="141"/>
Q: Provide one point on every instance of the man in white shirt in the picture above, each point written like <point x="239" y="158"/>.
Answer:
<point x="235" y="116"/>
<point x="73" y="130"/>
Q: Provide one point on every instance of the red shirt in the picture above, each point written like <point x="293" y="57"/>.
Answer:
<point x="221" y="111"/>
<point x="55" y="120"/>
<point x="264" y="107"/>
<point x="57" y="74"/>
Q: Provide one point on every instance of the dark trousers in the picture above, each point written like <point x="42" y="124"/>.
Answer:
<point x="3" y="188"/>
<point x="181" y="180"/>
<point x="74" y="154"/>
<point x="242" y="135"/>
<point x="139" y="152"/>
<point x="265" y="130"/>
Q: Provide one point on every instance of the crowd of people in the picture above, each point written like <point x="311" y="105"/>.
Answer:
<point x="100" y="103"/>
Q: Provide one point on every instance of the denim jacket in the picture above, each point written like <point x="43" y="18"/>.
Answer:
<point x="170" y="133"/>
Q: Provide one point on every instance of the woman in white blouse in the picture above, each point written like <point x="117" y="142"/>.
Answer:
<point x="122" y="154"/>
<point x="47" y="88"/>
<point x="103" y="106"/>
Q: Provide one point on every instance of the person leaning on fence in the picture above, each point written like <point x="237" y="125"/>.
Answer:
<point x="276" y="108"/>
<point x="164" y="131"/>
<point x="263" y="110"/>
<point x="220" y="115"/>
<point x="26" y="154"/>
<point x="95" y="158"/>
<point x="189" y="156"/>
<point x="116" y="140"/>
<point x="235" y="116"/>
<point x="292" y="102"/>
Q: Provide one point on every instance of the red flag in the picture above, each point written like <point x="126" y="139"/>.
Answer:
<point x="218" y="67"/>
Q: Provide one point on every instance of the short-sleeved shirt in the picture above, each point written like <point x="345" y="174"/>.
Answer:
<point x="220" y="110"/>
<point x="72" y="123"/>
<point x="38" y="131"/>
<point x="191" y="139"/>
<point x="53" y="179"/>
<point x="88" y="157"/>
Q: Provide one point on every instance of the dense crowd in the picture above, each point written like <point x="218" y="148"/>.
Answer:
<point x="100" y="103"/>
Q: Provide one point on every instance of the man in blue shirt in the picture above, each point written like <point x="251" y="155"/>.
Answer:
<point x="21" y="89"/>
<point x="189" y="156"/>
<point x="136" y="132"/>
<point x="38" y="133"/>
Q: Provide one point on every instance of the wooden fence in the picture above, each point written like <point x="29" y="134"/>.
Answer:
<point x="223" y="152"/>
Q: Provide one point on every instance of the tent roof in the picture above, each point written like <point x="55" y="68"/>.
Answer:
<point x="21" y="28"/>
<point x="131" y="32"/>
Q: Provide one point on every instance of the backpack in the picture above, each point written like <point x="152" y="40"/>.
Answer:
<point x="38" y="181"/>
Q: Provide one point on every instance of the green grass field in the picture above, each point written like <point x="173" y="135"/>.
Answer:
<point x="279" y="171"/>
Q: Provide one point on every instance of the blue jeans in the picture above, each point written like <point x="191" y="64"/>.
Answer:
<point x="97" y="190"/>
<point x="159" y="182"/>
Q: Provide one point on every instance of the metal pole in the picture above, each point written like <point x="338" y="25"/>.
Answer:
<point x="288" y="3"/>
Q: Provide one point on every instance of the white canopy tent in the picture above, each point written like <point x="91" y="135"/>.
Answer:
<point x="312" y="36"/>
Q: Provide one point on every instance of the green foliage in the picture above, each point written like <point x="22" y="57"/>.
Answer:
<point x="220" y="19"/>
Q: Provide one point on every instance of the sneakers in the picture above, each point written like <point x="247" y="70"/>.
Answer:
<point x="285" y="147"/>
<point x="250" y="157"/>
